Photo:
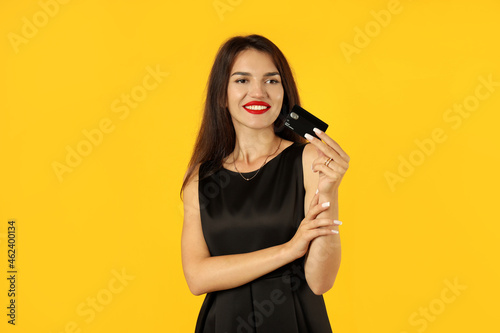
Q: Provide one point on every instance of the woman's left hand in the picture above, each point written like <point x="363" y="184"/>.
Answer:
<point x="332" y="162"/>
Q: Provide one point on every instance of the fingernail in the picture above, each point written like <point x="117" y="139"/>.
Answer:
<point x="317" y="191"/>
<point x="337" y="222"/>
<point x="308" y="136"/>
<point x="317" y="131"/>
<point x="326" y="204"/>
<point x="335" y="231"/>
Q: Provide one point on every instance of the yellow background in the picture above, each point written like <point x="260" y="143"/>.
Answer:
<point x="119" y="210"/>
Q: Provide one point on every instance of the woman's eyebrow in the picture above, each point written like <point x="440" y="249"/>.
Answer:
<point x="248" y="74"/>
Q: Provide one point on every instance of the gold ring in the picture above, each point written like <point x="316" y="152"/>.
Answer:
<point x="328" y="161"/>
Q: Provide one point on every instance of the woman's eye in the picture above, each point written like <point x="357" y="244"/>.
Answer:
<point x="272" y="81"/>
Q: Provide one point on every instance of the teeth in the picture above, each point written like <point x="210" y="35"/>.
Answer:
<point x="256" y="107"/>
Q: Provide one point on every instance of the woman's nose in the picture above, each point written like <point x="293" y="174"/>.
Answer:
<point x="257" y="89"/>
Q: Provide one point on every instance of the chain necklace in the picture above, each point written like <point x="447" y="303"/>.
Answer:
<point x="247" y="179"/>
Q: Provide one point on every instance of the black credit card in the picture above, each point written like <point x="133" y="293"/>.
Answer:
<point x="301" y="122"/>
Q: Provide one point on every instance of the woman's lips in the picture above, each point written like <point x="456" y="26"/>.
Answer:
<point x="257" y="107"/>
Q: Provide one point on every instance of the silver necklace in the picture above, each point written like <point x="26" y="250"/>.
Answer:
<point x="247" y="179"/>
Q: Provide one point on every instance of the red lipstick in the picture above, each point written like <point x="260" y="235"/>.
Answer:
<point x="257" y="107"/>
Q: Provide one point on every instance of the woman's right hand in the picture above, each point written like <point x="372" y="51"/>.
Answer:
<point x="310" y="228"/>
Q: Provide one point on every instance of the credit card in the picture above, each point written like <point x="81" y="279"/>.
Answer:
<point x="301" y="122"/>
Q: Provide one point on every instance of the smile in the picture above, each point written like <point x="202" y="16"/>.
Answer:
<point x="257" y="107"/>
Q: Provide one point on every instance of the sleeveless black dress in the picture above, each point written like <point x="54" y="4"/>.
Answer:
<point x="240" y="216"/>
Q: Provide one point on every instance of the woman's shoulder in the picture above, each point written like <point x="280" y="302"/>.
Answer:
<point x="286" y="144"/>
<point x="308" y="156"/>
<point x="309" y="151"/>
<point x="297" y="148"/>
<point x="192" y="174"/>
<point x="293" y="145"/>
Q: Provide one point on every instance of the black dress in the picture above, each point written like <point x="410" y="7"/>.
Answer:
<point x="240" y="216"/>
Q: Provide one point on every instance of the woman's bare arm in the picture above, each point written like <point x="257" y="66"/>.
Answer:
<point x="323" y="258"/>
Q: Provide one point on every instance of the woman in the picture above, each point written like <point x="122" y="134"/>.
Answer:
<point x="260" y="234"/>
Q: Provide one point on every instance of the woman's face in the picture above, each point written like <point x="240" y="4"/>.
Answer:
<point x="254" y="93"/>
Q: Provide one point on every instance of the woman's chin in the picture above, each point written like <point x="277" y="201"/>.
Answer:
<point x="261" y="121"/>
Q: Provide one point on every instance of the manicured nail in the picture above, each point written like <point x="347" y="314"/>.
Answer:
<point x="326" y="204"/>
<point x="317" y="191"/>
<point x="308" y="136"/>
<point x="337" y="222"/>
<point x="335" y="231"/>
<point x="317" y="131"/>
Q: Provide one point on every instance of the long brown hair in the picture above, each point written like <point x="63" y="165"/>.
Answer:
<point x="217" y="138"/>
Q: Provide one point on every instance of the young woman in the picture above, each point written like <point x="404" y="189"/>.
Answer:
<point x="260" y="234"/>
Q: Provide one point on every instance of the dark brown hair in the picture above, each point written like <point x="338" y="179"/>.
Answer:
<point x="217" y="138"/>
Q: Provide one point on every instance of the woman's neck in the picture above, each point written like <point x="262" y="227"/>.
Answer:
<point x="252" y="146"/>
